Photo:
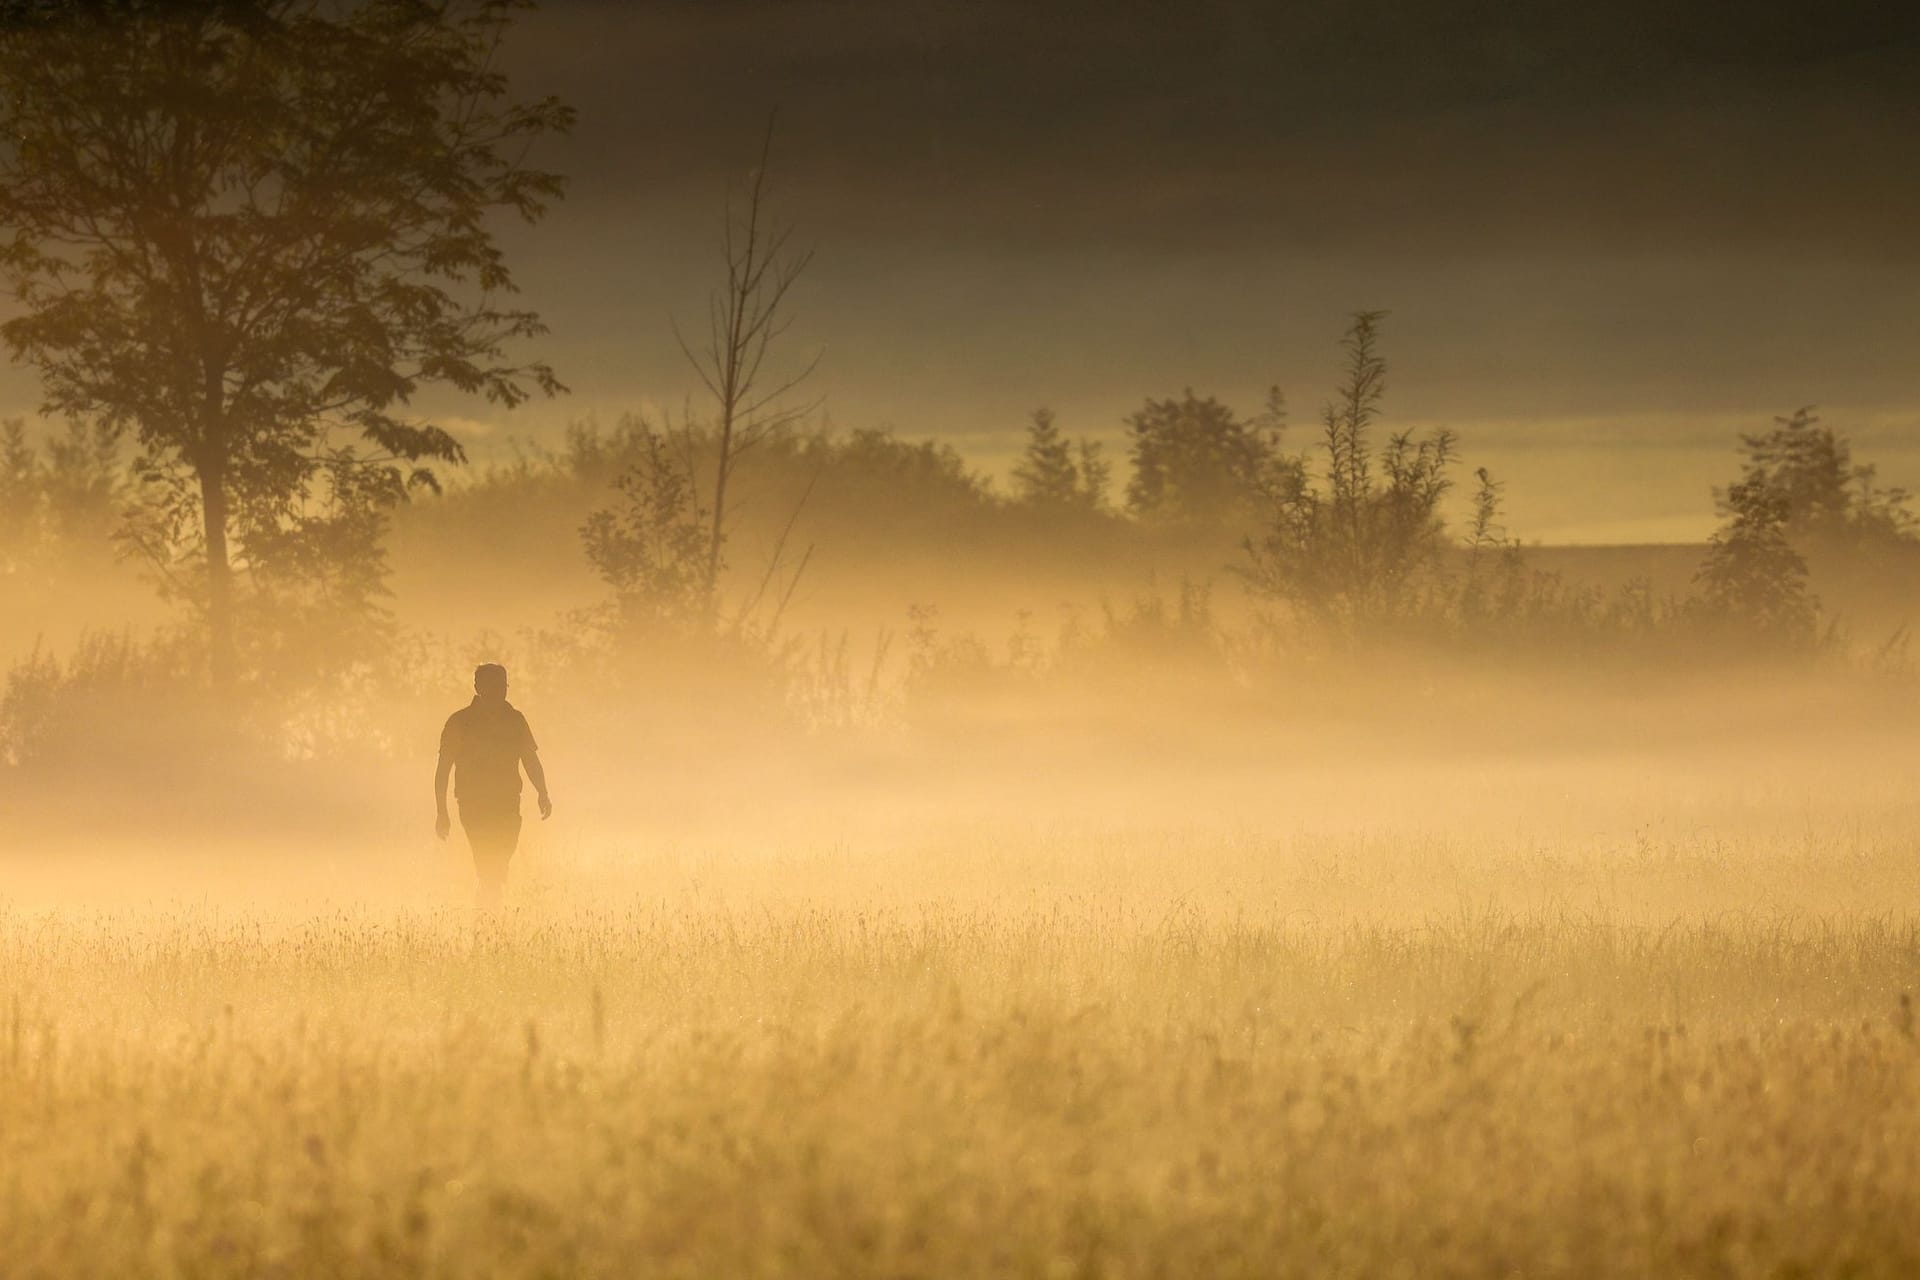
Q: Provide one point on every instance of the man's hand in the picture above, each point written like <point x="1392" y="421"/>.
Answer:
<point x="442" y="825"/>
<point x="546" y="806"/>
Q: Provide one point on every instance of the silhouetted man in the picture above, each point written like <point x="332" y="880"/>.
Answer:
<point x="484" y="746"/>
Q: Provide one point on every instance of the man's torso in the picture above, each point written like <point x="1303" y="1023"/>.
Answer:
<point x="486" y="743"/>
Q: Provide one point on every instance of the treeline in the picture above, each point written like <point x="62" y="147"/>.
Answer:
<point x="1345" y="539"/>
<point x="1335" y="537"/>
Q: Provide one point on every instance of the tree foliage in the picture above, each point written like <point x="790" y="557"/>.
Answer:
<point x="1196" y="462"/>
<point x="1807" y="469"/>
<point x="1356" y="548"/>
<point x="317" y="571"/>
<point x="651" y="546"/>
<point x="1800" y="493"/>
<point x="248" y="231"/>
<point x="1753" y="579"/>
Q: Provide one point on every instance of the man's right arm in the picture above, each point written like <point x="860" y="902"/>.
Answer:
<point x="441" y="824"/>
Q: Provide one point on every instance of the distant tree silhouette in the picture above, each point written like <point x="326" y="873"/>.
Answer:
<point x="910" y="471"/>
<point x="237" y="227"/>
<point x="1195" y="461"/>
<point x="318" y="572"/>
<point x="67" y="495"/>
<point x="1056" y="472"/>
<point x="1492" y="583"/>
<point x="1355" y="550"/>
<point x="85" y="481"/>
<point x="1752" y="578"/>
<point x="1046" y="474"/>
<point x="860" y="488"/>
<point x="20" y="494"/>
<point x="1825" y="496"/>
<point x="662" y="545"/>
<point x="652" y="546"/>
<point x="746" y="317"/>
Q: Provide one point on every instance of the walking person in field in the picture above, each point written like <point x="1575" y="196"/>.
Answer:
<point x="483" y="747"/>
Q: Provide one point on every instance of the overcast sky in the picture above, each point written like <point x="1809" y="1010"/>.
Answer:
<point x="1610" y="233"/>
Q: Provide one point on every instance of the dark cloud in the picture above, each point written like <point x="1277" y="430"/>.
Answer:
<point x="1413" y="123"/>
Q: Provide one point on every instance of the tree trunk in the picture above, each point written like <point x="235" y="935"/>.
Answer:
<point x="718" y="533"/>
<point x="213" y="512"/>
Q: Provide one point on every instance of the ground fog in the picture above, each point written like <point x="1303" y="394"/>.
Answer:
<point x="1584" y="992"/>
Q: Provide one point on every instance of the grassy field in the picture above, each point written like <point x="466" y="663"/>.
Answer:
<point x="1037" y="1053"/>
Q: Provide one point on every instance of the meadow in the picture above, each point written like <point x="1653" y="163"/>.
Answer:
<point x="1033" y="905"/>
<point x="1678" y="1040"/>
<point x="1214" y="844"/>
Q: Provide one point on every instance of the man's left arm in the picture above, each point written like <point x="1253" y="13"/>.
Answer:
<point x="536" y="774"/>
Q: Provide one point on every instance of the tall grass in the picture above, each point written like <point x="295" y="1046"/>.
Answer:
<point x="1349" y="1058"/>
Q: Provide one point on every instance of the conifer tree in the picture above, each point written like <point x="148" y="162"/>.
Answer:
<point x="1046" y="475"/>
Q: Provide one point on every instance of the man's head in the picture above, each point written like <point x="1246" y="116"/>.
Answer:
<point x="490" y="680"/>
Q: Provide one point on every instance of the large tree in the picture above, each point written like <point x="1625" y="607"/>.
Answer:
<point x="249" y="230"/>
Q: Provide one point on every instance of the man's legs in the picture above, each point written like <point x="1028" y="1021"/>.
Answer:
<point x="493" y="835"/>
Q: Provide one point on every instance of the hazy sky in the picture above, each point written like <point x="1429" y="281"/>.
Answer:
<point x="1610" y="233"/>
